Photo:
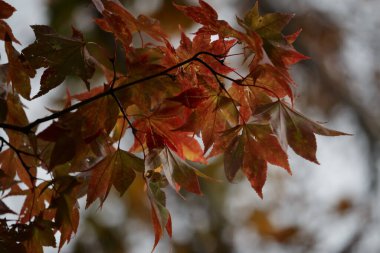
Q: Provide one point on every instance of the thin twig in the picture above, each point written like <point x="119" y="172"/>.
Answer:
<point x="134" y="130"/>
<point x="221" y="85"/>
<point x="18" y="154"/>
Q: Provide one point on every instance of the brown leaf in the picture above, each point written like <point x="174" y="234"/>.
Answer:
<point x="295" y="130"/>
<point x="115" y="169"/>
<point x="4" y="209"/>
<point x="61" y="56"/>
<point x="19" y="71"/>
<point x="6" y="10"/>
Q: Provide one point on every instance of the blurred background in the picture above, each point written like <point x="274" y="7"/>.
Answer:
<point x="333" y="207"/>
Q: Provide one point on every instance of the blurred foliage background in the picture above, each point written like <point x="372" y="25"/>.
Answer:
<point x="329" y="208"/>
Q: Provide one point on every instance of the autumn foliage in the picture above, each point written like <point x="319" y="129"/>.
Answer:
<point x="178" y="105"/>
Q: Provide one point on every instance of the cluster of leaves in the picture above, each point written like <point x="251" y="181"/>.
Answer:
<point x="180" y="104"/>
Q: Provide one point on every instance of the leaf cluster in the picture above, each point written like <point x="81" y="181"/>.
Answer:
<point x="177" y="105"/>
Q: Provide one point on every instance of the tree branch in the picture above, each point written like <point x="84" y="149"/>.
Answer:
<point x="28" y="128"/>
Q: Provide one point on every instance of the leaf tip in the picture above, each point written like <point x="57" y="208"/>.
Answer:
<point x="260" y="193"/>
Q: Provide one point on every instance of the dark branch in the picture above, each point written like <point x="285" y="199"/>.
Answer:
<point x="28" y="128"/>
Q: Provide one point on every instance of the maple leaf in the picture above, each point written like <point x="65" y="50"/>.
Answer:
<point x="68" y="228"/>
<point x="19" y="71"/>
<point x="156" y="130"/>
<point x="294" y="129"/>
<point x="10" y="164"/>
<point x="249" y="97"/>
<point x="6" y="11"/>
<point x="117" y="169"/>
<point x="206" y="15"/>
<point x="273" y="51"/>
<point x="149" y="95"/>
<point x="178" y="173"/>
<point x="64" y="205"/>
<point x="23" y="142"/>
<point x="40" y="234"/>
<point x="277" y="81"/>
<point x="66" y="142"/>
<point x="35" y="200"/>
<point x="196" y="72"/>
<point x="7" y="171"/>
<point x="250" y="148"/>
<point x="161" y="218"/>
<point x="168" y="97"/>
<point x="98" y="117"/>
<point x="268" y="26"/>
<point x="191" y="98"/>
<point x="4" y="209"/>
<point x="119" y="21"/>
<point x="216" y="112"/>
<point x="61" y="56"/>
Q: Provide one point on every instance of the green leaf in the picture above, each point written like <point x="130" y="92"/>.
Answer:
<point x="125" y="165"/>
<point x="40" y="233"/>
<point x="43" y="232"/>
<point x="268" y="26"/>
<point x="61" y="56"/>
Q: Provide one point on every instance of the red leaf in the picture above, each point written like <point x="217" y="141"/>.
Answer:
<point x="293" y="37"/>
<point x="254" y="168"/>
<point x="267" y="145"/>
<point x="250" y="148"/>
<point x="119" y="21"/>
<point x="191" y="98"/>
<point x="204" y="14"/>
